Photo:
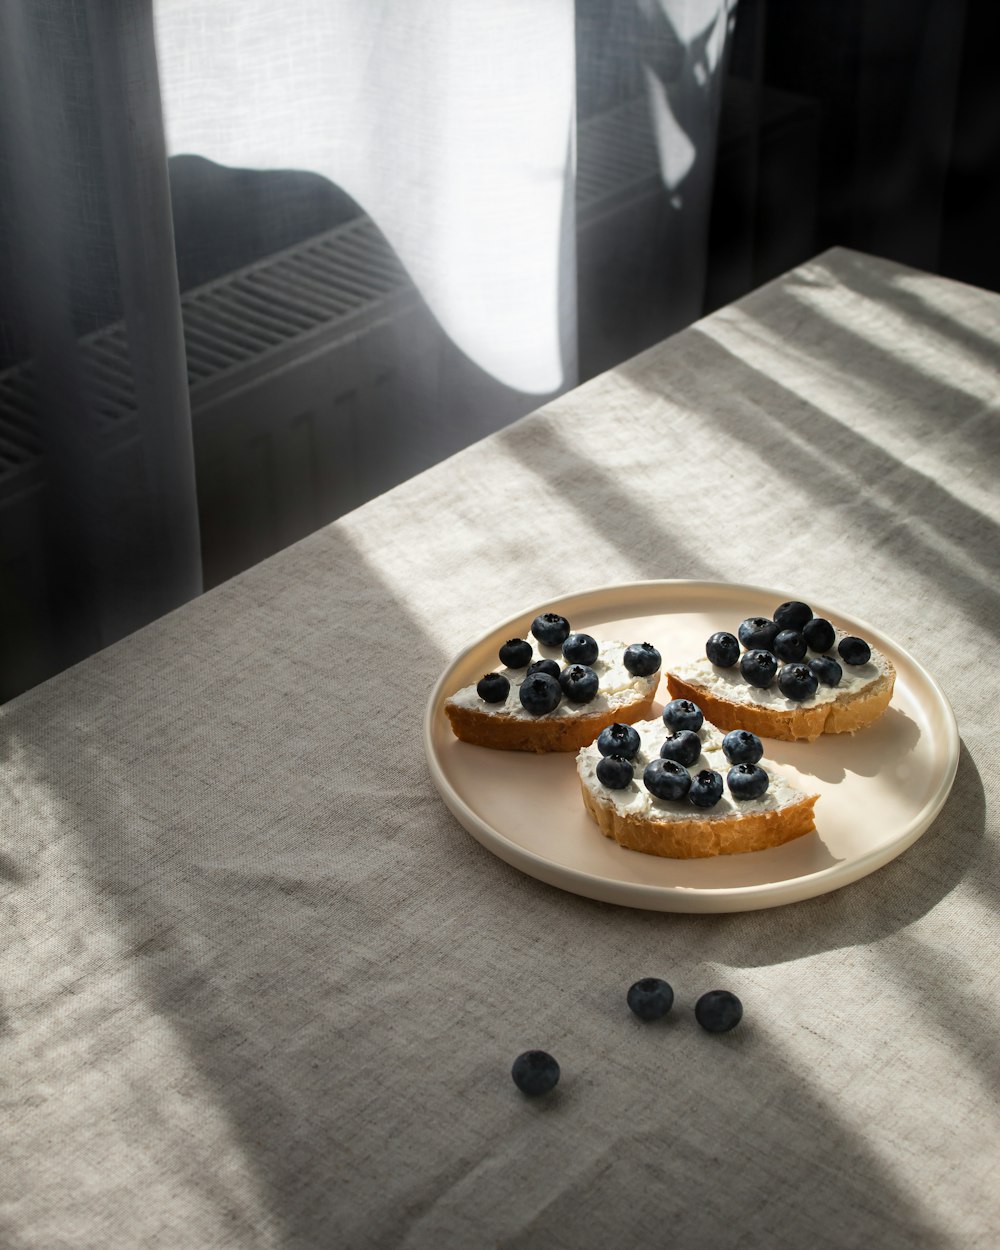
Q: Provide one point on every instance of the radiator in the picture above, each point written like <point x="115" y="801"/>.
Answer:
<point x="317" y="374"/>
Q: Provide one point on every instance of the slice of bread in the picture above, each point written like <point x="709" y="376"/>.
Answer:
<point x="507" y="726"/>
<point x="731" y="702"/>
<point x="676" y="829"/>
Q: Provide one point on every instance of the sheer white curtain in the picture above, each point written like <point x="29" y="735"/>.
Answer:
<point x="468" y="132"/>
<point x="148" y="148"/>
<point x="544" y="170"/>
<point x="451" y="124"/>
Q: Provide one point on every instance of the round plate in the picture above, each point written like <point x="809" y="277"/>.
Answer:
<point x="878" y="789"/>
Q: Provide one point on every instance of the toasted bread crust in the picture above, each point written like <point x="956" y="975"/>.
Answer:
<point x="700" y="838"/>
<point x="847" y="713"/>
<point x="543" y="733"/>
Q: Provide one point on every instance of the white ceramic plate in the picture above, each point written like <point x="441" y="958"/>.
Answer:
<point x="879" y="789"/>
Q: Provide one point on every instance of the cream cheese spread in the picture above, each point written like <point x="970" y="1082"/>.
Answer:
<point x="729" y="683"/>
<point x="636" y="800"/>
<point x="618" y="687"/>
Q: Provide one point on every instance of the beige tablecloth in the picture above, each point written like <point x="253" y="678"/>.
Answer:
<point x="260" y="989"/>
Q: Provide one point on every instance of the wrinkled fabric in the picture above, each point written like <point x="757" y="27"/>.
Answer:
<point x="260" y="989"/>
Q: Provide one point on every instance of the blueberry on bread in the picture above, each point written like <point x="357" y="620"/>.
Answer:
<point x="797" y="678"/>
<point x="729" y="801"/>
<point x="557" y="692"/>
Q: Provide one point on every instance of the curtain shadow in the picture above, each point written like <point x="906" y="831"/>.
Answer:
<point x="954" y="854"/>
<point x="849" y="474"/>
<point x="238" y="898"/>
<point x="740" y="1132"/>
<point x="612" y="512"/>
<point x="887" y="374"/>
<point x="885" y="903"/>
<point x="98" y="521"/>
<point x="879" y="280"/>
<point x="191" y="929"/>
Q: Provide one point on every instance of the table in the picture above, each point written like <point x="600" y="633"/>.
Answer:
<point x="260" y="989"/>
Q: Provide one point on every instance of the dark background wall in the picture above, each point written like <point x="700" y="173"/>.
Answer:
<point x="872" y="124"/>
<point x="319" y="378"/>
<point x="869" y="123"/>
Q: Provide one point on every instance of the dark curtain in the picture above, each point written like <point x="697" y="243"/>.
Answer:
<point x="98" y="524"/>
<point x="873" y="124"/>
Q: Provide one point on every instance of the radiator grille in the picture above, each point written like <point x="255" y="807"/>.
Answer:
<point x="616" y="151"/>
<point x="321" y="288"/>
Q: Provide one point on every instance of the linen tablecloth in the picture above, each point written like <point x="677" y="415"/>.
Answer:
<point x="260" y="989"/>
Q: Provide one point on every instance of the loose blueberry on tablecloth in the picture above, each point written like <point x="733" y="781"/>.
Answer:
<point x="535" y="1072"/>
<point x="650" y="998"/>
<point x="718" y="1011"/>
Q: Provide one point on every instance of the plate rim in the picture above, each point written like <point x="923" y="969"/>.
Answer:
<point x="649" y="896"/>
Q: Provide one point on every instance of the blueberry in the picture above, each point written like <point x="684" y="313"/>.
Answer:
<point x="740" y="746"/>
<point x="790" y="645"/>
<point x="580" y="649"/>
<point x="544" y="666"/>
<point x="854" y="650"/>
<point x="792" y="615"/>
<point x="683" y="714"/>
<point x="746" y="781"/>
<point x="619" y="739"/>
<point x="757" y="633"/>
<point x="539" y="694"/>
<point x="718" y="1011"/>
<point x="651" y="998"/>
<point x="759" y="667"/>
<point x="666" y="780"/>
<point x="819" y="634"/>
<point x="614" y="771"/>
<point x="797" y="681"/>
<point x="579" y="683"/>
<point x="642" y="659"/>
<point x="493" y="688"/>
<point x="683" y="747"/>
<point x="827" y="670"/>
<point x="551" y="629"/>
<point x="515" y="653"/>
<point x="535" y="1072"/>
<point x="723" y="649"/>
<point x="706" y="788"/>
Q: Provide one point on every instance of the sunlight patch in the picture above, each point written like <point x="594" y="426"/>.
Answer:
<point x="122" y="1082"/>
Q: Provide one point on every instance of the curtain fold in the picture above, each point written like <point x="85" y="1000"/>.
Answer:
<point x="130" y="125"/>
<point x="98" y="519"/>
<point x="451" y="124"/>
<point x="145" y="425"/>
<point x="359" y="235"/>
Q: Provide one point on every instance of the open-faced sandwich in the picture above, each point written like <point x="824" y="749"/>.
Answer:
<point x="791" y="676"/>
<point x="557" y="691"/>
<point x="681" y="788"/>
